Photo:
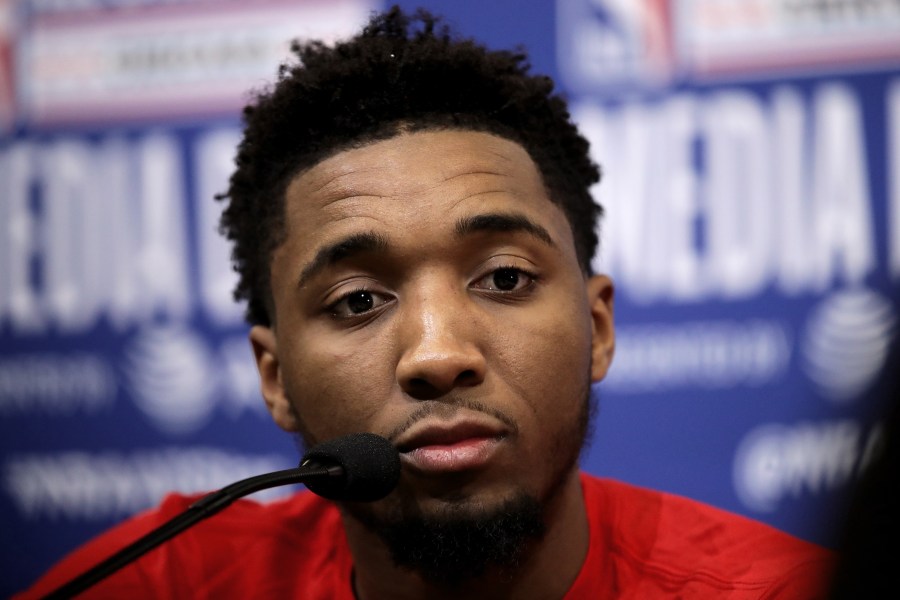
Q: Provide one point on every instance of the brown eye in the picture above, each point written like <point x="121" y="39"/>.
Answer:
<point x="506" y="279"/>
<point x="360" y="302"/>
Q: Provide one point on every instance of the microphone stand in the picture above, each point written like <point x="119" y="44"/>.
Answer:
<point x="204" y="507"/>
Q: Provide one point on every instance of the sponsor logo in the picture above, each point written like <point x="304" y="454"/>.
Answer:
<point x="754" y="37"/>
<point x="614" y="42"/>
<point x="847" y="340"/>
<point x="775" y="462"/>
<point x="607" y="44"/>
<point x="702" y="354"/>
<point x="84" y="486"/>
<point x="179" y="380"/>
<point x="56" y="385"/>
<point x="166" y="60"/>
<point x="170" y="374"/>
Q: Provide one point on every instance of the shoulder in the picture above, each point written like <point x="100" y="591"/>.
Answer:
<point x="680" y="542"/>
<point x="238" y="547"/>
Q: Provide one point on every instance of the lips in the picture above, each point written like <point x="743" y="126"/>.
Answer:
<point x="449" y="446"/>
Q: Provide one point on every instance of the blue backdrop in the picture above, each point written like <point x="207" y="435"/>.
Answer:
<point x="751" y="152"/>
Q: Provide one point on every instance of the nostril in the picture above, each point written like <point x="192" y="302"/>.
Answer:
<point x="422" y="389"/>
<point x="467" y="377"/>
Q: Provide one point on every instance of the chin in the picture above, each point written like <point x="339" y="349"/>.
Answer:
<point x="449" y="541"/>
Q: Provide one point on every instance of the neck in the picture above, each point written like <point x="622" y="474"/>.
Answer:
<point x="547" y="570"/>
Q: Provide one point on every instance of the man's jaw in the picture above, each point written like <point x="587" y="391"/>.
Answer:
<point x="508" y="521"/>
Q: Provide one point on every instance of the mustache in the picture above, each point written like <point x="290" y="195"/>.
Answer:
<point x="448" y="408"/>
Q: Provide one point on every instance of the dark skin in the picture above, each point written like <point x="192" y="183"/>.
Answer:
<point x="428" y="290"/>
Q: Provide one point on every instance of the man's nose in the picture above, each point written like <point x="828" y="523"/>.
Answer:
<point x="440" y="351"/>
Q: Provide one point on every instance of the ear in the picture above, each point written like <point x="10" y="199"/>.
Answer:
<point x="600" y="294"/>
<point x="265" y="349"/>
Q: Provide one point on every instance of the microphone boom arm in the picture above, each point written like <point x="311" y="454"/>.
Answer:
<point x="205" y="507"/>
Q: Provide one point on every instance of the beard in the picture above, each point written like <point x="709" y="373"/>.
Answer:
<point x="464" y="538"/>
<point x="459" y="543"/>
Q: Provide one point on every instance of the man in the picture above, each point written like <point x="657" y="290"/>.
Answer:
<point x="413" y="232"/>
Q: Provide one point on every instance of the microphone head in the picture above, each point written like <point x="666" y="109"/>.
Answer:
<point x="370" y="463"/>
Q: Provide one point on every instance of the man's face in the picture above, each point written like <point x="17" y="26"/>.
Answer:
<point x="428" y="290"/>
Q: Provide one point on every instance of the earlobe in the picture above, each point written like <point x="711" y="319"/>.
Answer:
<point x="265" y="350"/>
<point x="600" y="293"/>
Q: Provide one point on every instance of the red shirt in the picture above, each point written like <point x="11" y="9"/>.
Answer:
<point x="644" y="544"/>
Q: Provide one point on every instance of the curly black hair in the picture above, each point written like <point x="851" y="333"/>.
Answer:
<point x="400" y="74"/>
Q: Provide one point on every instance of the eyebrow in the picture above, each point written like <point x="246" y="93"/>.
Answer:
<point x="369" y="241"/>
<point x="502" y="222"/>
<point x="342" y="249"/>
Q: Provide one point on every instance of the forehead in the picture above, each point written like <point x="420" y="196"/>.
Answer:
<point x="415" y="183"/>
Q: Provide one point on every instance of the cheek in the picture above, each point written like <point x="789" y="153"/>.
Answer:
<point x="334" y="390"/>
<point x="549" y="362"/>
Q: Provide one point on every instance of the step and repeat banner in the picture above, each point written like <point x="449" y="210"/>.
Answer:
<point x="751" y="158"/>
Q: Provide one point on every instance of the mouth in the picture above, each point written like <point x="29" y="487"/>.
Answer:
<point x="434" y="447"/>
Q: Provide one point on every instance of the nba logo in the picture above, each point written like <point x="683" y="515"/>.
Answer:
<point x="614" y="43"/>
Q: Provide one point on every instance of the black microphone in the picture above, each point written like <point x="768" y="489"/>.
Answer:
<point x="362" y="467"/>
<point x="371" y="468"/>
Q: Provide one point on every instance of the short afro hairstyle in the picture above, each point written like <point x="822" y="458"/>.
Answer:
<point x="401" y="74"/>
